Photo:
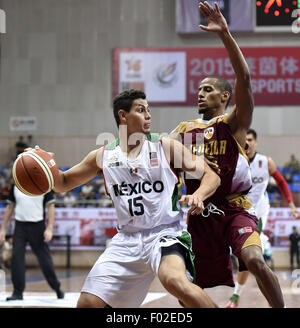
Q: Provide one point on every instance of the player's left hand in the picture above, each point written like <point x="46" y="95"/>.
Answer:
<point x="295" y="212"/>
<point x="195" y="203"/>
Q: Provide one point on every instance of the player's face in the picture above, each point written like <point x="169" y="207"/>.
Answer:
<point x="209" y="96"/>
<point x="252" y="142"/>
<point x="139" y="117"/>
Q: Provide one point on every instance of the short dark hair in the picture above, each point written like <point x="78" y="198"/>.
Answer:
<point x="253" y="132"/>
<point x="124" y="101"/>
<point x="223" y="85"/>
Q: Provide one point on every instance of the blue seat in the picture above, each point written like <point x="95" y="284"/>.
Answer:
<point x="295" y="187"/>
<point x="296" y="177"/>
<point x="64" y="168"/>
<point x="77" y="189"/>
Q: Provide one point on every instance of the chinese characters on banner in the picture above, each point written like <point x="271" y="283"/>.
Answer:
<point x="172" y="76"/>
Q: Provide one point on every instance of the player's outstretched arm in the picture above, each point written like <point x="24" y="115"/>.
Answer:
<point x="81" y="173"/>
<point x="182" y="158"/>
<point x="241" y="116"/>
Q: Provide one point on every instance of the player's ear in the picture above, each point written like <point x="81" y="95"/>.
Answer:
<point x="225" y="96"/>
<point x="122" y="116"/>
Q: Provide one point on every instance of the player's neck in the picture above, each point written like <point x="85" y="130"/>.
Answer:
<point x="213" y="113"/>
<point x="131" y="147"/>
<point x="251" y="155"/>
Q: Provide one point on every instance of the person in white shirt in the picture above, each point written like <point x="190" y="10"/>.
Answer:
<point x="69" y="199"/>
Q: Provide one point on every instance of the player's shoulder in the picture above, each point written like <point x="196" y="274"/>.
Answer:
<point x="110" y="146"/>
<point x="185" y="126"/>
<point x="261" y="156"/>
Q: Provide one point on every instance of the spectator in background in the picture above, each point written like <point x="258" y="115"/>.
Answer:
<point x="88" y="190"/>
<point x="288" y="177"/>
<point x="98" y="181"/>
<point x="105" y="200"/>
<point x="6" y="171"/>
<point x="294" y="247"/>
<point x="20" y="145"/>
<point x="59" y="196"/>
<point x="91" y="199"/>
<point x="276" y="201"/>
<point x="5" y="191"/>
<point x="81" y="199"/>
<point x="3" y="180"/>
<point x="293" y="164"/>
<point x="69" y="199"/>
<point x="30" y="141"/>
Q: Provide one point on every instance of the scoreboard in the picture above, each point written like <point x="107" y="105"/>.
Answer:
<point x="277" y="15"/>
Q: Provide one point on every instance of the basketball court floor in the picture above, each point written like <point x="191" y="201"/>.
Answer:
<point x="39" y="295"/>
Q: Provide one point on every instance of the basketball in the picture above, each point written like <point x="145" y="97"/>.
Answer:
<point x="35" y="172"/>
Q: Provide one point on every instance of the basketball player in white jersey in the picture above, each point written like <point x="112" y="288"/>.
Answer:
<point x="262" y="168"/>
<point x="137" y="169"/>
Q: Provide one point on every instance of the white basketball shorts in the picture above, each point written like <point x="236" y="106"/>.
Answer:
<point x="122" y="275"/>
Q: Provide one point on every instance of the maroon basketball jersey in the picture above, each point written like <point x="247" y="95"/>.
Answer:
<point x="215" y="140"/>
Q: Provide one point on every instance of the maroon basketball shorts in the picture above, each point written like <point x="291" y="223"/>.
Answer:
<point x="213" y="236"/>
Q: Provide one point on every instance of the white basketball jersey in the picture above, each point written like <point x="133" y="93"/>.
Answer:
<point x="260" y="178"/>
<point x="144" y="190"/>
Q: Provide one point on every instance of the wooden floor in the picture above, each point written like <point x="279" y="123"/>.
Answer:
<point x="39" y="294"/>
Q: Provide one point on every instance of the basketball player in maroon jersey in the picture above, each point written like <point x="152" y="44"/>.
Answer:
<point x="229" y="219"/>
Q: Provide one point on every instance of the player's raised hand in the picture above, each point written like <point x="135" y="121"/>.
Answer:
<point x="216" y="21"/>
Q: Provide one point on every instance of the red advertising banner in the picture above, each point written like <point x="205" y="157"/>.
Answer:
<point x="172" y="76"/>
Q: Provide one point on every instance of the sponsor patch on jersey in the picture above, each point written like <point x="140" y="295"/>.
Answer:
<point x="115" y="164"/>
<point x="209" y="132"/>
<point x="153" y="159"/>
<point x="113" y="161"/>
<point x="154" y="162"/>
<point x="153" y="154"/>
<point x="245" y="229"/>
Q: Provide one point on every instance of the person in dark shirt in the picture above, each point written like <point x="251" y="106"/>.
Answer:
<point x="20" y="145"/>
<point x="294" y="247"/>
